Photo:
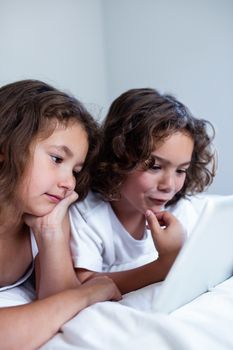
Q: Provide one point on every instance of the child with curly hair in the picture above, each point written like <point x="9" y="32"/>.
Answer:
<point x="153" y="154"/>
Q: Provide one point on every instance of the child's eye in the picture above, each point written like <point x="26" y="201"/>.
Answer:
<point x="56" y="159"/>
<point x="156" y="167"/>
<point x="182" y="171"/>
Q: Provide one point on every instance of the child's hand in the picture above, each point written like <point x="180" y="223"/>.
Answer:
<point x="53" y="224"/>
<point x="101" y="289"/>
<point x="54" y="268"/>
<point x="170" y="237"/>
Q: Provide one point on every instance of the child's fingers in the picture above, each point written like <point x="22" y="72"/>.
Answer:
<point x="67" y="201"/>
<point x="56" y="215"/>
<point x="152" y="222"/>
<point x="165" y="217"/>
<point x="61" y="208"/>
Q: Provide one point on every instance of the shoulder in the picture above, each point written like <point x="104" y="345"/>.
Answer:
<point x="188" y="210"/>
<point x="89" y="207"/>
<point x="90" y="219"/>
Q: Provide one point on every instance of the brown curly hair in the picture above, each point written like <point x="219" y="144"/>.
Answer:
<point x="28" y="108"/>
<point x="138" y="121"/>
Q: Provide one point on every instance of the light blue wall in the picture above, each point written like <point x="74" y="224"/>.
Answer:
<point x="99" y="48"/>
<point x="184" y="47"/>
<point x="59" y="41"/>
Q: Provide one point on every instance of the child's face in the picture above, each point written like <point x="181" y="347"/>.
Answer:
<point x="153" y="188"/>
<point x="50" y="175"/>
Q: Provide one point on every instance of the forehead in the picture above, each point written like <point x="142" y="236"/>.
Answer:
<point x="50" y="125"/>
<point x="71" y="134"/>
<point x="178" y="145"/>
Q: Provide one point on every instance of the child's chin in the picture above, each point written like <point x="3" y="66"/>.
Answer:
<point x="42" y="211"/>
<point x="157" y="208"/>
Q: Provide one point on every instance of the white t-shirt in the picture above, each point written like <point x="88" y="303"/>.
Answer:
<point x="100" y="243"/>
<point x="31" y="268"/>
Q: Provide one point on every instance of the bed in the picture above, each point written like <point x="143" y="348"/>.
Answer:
<point x="204" y="323"/>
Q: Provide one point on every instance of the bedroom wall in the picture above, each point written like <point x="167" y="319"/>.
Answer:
<point x="98" y="48"/>
<point x="59" y="41"/>
<point x="184" y="47"/>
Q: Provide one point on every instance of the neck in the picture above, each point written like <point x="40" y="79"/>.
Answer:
<point x="132" y="220"/>
<point x="11" y="222"/>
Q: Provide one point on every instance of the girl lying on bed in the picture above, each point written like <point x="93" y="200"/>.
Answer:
<point x="45" y="136"/>
<point x="154" y="152"/>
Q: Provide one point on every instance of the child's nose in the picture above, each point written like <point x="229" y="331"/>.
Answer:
<point x="167" y="182"/>
<point x="68" y="182"/>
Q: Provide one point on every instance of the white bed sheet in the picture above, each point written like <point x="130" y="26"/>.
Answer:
<point x="205" y="323"/>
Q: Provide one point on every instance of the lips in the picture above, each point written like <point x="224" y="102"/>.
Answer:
<point x="54" y="198"/>
<point x="158" y="201"/>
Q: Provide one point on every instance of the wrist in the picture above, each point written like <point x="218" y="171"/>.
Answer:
<point x="90" y="293"/>
<point x="167" y="260"/>
<point x="50" y="238"/>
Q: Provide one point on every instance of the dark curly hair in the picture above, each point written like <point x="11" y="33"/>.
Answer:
<point x="138" y="121"/>
<point x="29" y="108"/>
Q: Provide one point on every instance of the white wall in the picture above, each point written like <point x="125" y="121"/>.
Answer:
<point x="58" y="41"/>
<point x="184" y="47"/>
<point x="99" y="48"/>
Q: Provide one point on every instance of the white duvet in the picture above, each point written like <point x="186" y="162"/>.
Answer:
<point x="206" y="323"/>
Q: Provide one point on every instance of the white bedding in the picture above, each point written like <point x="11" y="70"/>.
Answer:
<point x="205" y="323"/>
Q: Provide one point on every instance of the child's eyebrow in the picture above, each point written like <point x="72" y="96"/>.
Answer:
<point x="163" y="160"/>
<point x="67" y="151"/>
<point x="64" y="148"/>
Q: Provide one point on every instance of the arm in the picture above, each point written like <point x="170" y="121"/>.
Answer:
<point x="29" y="326"/>
<point x="130" y="280"/>
<point x="54" y="267"/>
<point x="168" y="242"/>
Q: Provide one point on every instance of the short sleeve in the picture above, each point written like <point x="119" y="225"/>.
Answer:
<point x="86" y="245"/>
